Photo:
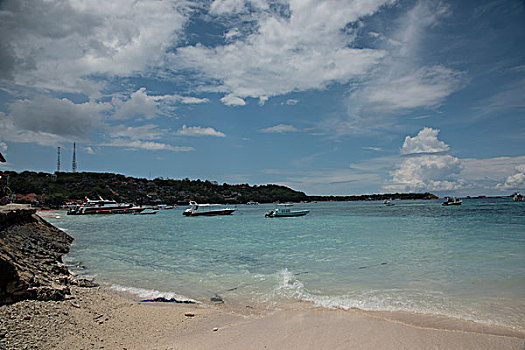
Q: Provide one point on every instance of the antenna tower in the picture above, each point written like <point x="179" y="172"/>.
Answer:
<point x="74" y="167"/>
<point x="58" y="160"/>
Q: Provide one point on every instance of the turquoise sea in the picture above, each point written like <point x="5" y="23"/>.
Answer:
<point x="465" y="261"/>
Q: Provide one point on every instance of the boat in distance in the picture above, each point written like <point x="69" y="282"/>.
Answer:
<point x="452" y="201"/>
<point x="207" y="210"/>
<point x="103" y="206"/>
<point x="283" y="210"/>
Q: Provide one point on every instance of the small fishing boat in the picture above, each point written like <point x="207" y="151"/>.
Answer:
<point x="387" y="202"/>
<point x="517" y="197"/>
<point x="283" y="210"/>
<point x="452" y="201"/>
<point x="207" y="210"/>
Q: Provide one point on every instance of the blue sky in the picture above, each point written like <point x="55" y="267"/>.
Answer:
<point x="325" y="96"/>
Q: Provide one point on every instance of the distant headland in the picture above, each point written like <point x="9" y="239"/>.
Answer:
<point x="53" y="190"/>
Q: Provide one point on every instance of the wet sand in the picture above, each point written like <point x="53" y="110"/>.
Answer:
<point x="97" y="319"/>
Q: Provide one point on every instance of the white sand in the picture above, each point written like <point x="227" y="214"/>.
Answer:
<point x="97" y="319"/>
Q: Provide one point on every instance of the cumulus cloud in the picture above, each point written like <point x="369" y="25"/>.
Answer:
<point x="279" y="129"/>
<point x="427" y="173"/>
<point x="3" y="146"/>
<point x="306" y="46"/>
<point x="427" y="168"/>
<point x="515" y="181"/>
<point x="138" y="104"/>
<point x="198" y="131"/>
<point x="425" y="141"/>
<point x="58" y="44"/>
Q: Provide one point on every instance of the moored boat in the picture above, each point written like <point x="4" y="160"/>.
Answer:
<point x="452" y="201"/>
<point x="207" y="210"/>
<point x="283" y="210"/>
<point x="103" y="206"/>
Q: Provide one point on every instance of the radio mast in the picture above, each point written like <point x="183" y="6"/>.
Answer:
<point x="74" y="167"/>
<point x="58" y="160"/>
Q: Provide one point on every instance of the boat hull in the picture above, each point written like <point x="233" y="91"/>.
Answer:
<point x="209" y="212"/>
<point x="99" y="211"/>
<point x="289" y="214"/>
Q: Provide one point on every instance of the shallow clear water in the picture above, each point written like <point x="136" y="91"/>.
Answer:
<point x="466" y="261"/>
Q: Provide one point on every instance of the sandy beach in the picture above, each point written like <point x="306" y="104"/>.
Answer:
<point x="94" y="318"/>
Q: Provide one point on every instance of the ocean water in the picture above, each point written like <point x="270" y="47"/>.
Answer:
<point x="464" y="261"/>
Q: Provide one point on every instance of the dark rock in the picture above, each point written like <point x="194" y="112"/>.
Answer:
<point x="217" y="299"/>
<point x="165" y="300"/>
<point x="84" y="282"/>
<point x="30" y="257"/>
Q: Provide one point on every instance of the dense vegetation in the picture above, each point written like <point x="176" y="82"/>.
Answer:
<point x="56" y="189"/>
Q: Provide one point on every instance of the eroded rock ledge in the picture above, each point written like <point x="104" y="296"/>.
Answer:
<point x="31" y="257"/>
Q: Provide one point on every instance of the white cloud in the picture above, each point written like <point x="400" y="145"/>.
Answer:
<point x="143" y="132"/>
<point x="232" y="7"/>
<point x="220" y="7"/>
<point x="232" y="100"/>
<point x="308" y="47"/>
<point x="427" y="169"/>
<point x="138" y="104"/>
<point x="198" y="131"/>
<point x="292" y="102"/>
<point x="515" y="181"/>
<point x="427" y="173"/>
<point x="58" y="44"/>
<point x="377" y="149"/>
<point x="3" y="146"/>
<point x="280" y="129"/>
<point x="425" y="141"/>
<point x="89" y="150"/>
<point x="192" y="100"/>
<point x="426" y="87"/>
<point x="146" y="145"/>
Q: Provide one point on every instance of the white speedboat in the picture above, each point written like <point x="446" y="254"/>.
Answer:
<point x="283" y="210"/>
<point x="452" y="201"/>
<point x="207" y="210"/>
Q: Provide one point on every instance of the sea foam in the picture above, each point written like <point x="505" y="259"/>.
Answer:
<point x="150" y="293"/>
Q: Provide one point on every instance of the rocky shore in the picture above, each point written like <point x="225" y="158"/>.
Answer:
<point x="31" y="257"/>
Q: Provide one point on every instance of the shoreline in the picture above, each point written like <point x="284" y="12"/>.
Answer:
<point x="96" y="318"/>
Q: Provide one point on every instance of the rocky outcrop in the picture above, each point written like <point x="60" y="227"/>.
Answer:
<point x="31" y="257"/>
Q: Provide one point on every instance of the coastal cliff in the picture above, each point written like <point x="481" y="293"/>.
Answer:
<point x="31" y="257"/>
